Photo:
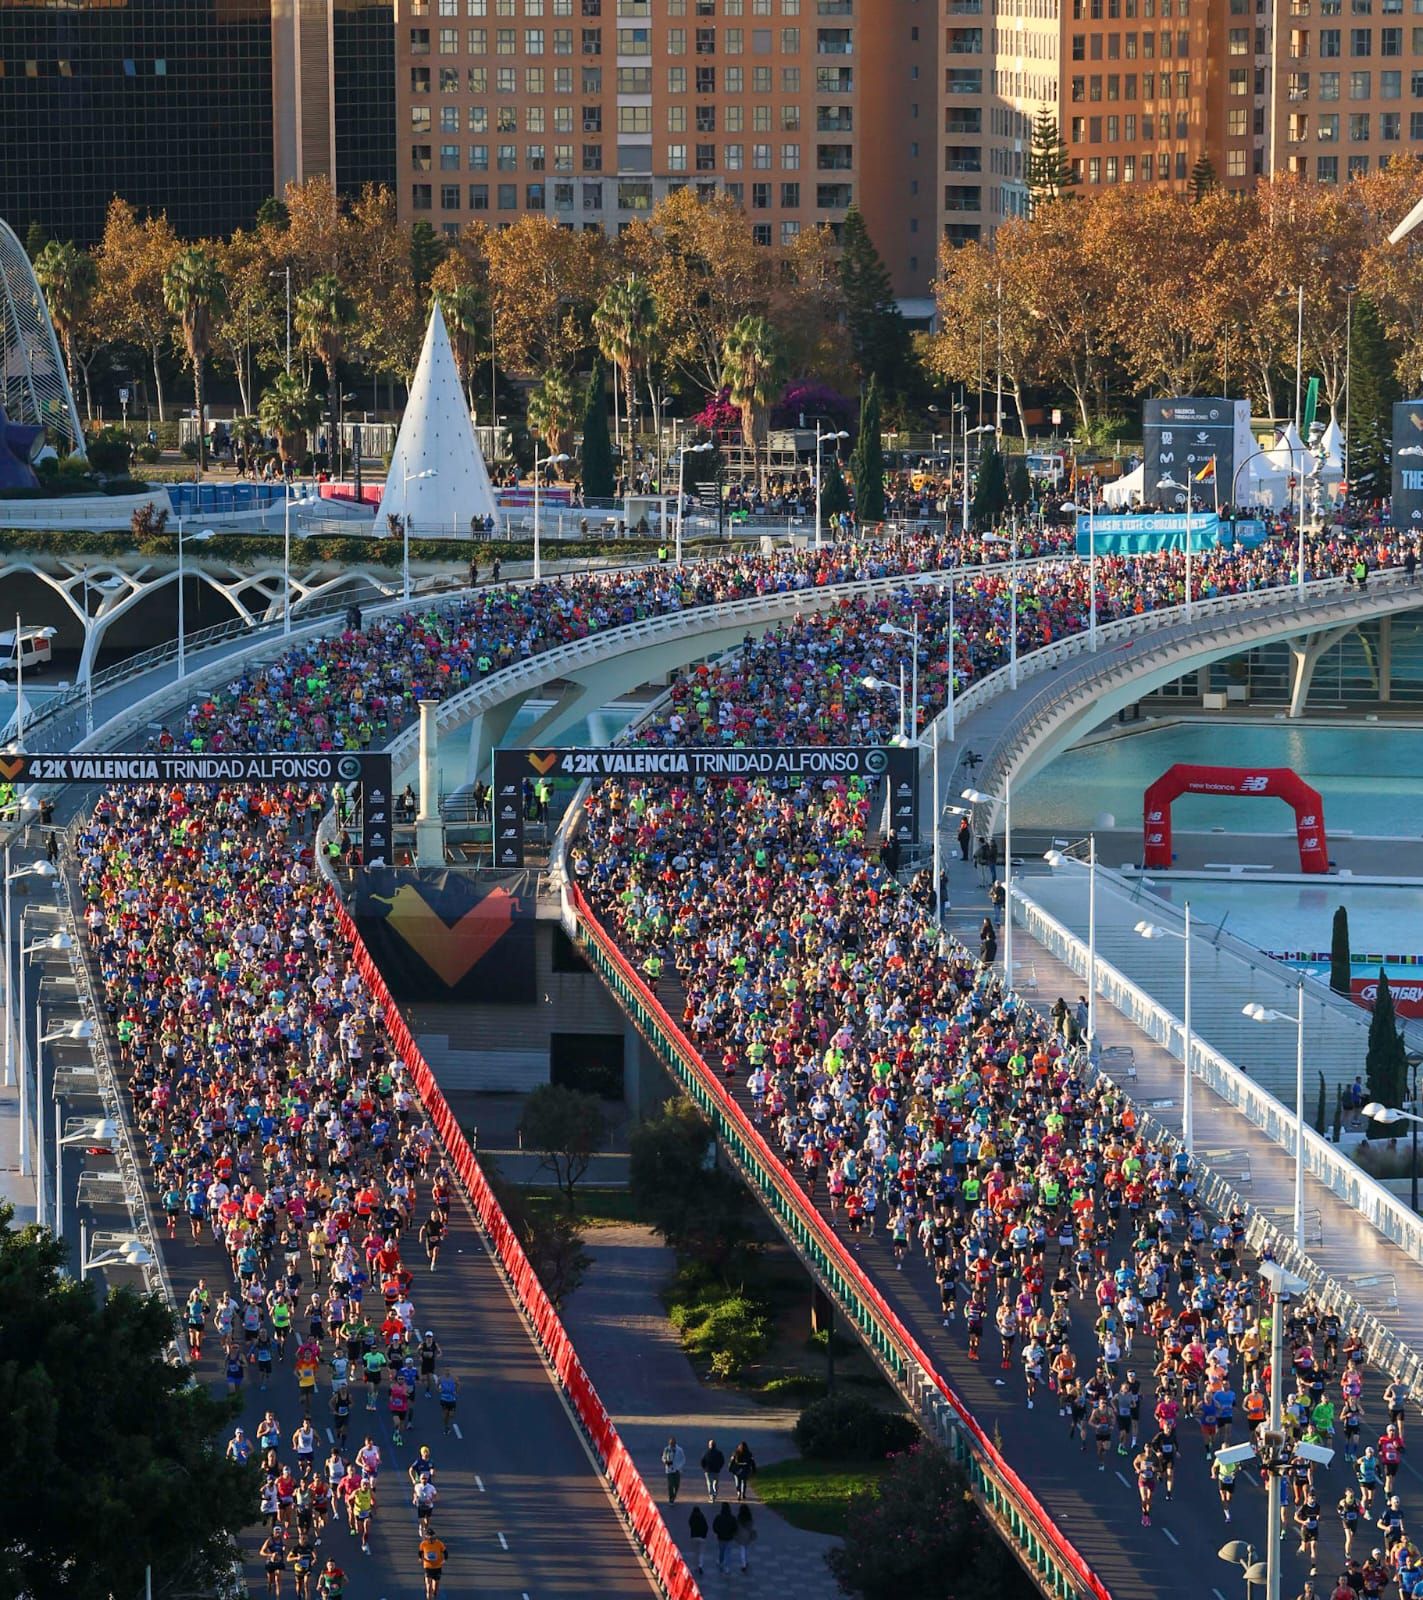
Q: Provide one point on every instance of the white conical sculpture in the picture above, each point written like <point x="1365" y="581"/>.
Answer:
<point x="437" y="478"/>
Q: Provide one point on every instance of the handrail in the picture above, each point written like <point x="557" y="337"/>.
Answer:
<point x="630" y="1492"/>
<point x="1059" y="1564"/>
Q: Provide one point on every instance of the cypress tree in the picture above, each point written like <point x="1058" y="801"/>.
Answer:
<point x="867" y="463"/>
<point x="1386" y="1064"/>
<point x="597" y="448"/>
<point x="834" y="495"/>
<point x="990" y="490"/>
<point x="1374" y="388"/>
<point x="1340" y="967"/>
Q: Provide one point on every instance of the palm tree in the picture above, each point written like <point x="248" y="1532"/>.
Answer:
<point x="625" y="325"/>
<point x="194" y="292"/>
<point x="552" y="410"/>
<point x="289" y="408"/>
<point x="752" y="362"/>
<point x="69" y="278"/>
<point x="323" y="314"/>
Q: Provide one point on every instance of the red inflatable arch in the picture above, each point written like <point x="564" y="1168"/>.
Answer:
<point x="1278" y="783"/>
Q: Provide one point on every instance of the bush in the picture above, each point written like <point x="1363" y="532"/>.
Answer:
<point x="108" y="451"/>
<point x="847" y="1427"/>
<point x="726" y="1329"/>
<point x="147" y="453"/>
<point x="793" y="1386"/>
<point x="189" y="449"/>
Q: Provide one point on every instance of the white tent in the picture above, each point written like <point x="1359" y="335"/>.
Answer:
<point x="1288" y="454"/>
<point x="1331" y="449"/>
<point x="437" y="479"/>
<point x="1127" y="489"/>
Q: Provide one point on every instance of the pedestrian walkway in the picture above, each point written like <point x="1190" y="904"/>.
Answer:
<point x="1343" y="1244"/>
<point x="631" y="1351"/>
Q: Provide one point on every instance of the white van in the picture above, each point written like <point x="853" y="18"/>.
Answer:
<point x="34" y="649"/>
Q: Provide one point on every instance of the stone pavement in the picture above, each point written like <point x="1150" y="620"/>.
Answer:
<point x="618" y="1323"/>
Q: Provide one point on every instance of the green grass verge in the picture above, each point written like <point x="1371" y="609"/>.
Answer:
<point x="594" y="1208"/>
<point x="815" y="1495"/>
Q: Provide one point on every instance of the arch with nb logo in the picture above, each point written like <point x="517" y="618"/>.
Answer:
<point x="1274" y="783"/>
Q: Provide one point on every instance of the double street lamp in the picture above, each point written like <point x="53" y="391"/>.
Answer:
<point x="539" y="462"/>
<point x="978" y="798"/>
<point x="407" y="477"/>
<point x="196" y="538"/>
<point x="1151" y="930"/>
<point x="820" y="439"/>
<point x="702" y="449"/>
<point x="1259" y="1013"/>
<point x="1185" y="488"/>
<point x="1091" y="509"/>
<point x="1390" y="1116"/>
<point x="1056" y="858"/>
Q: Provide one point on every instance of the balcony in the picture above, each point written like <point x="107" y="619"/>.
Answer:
<point x="834" y="8"/>
<point x="963" y="197"/>
<point x="964" y="82"/>
<point x="964" y="122"/>
<point x="839" y="119"/>
<point x="834" y="158"/>
<point x="965" y="8"/>
<point x="966" y="42"/>
<point x="833" y="42"/>
<point x="834" y="80"/>
<point x="833" y="196"/>
<point x="965" y="160"/>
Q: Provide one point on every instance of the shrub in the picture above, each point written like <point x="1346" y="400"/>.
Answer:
<point x="108" y="451"/>
<point x="793" y="1386"/>
<point x="848" y="1427"/>
<point x="147" y="453"/>
<point x="726" y="1329"/>
<point x="189" y="449"/>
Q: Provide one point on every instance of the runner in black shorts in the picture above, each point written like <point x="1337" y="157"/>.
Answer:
<point x="429" y="1359"/>
<point x="432" y="1233"/>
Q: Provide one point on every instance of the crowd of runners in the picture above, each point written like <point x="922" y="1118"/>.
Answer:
<point x="934" y="1117"/>
<point x="278" y="1123"/>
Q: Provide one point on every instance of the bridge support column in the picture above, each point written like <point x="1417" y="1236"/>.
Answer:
<point x="429" y="829"/>
<point x="1385" y="659"/>
<point x="487" y="731"/>
<point x="1305" y="656"/>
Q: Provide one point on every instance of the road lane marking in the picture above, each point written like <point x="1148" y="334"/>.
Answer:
<point x="1171" y="1536"/>
<point x="455" y="1429"/>
<point x="479" y="1482"/>
<point x="330" y="1437"/>
<point x="503" y="1542"/>
<point x="1124" y="1483"/>
<point x="1218" y="1595"/>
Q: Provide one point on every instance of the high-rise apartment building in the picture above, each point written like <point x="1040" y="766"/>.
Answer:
<point x="1348" y="86"/>
<point x="591" y="111"/>
<point x="198" y="108"/>
<point x="1141" y="90"/>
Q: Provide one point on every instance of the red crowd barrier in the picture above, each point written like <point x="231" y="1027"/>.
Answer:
<point x="638" y="1506"/>
<point x="1069" y="1555"/>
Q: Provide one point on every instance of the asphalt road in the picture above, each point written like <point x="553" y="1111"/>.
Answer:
<point x="522" y="1508"/>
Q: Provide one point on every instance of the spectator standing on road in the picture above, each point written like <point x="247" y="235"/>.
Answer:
<point x="674" y="1459"/>
<point x="742" y="1465"/>
<point x="712" y="1463"/>
<point x="745" y="1535"/>
<point x="724" y="1527"/>
<point x="697" y="1532"/>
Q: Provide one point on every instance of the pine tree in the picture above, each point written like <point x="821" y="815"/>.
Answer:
<point x="867" y="463"/>
<point x="597" y="447"/>
<point x="879" y="336"/>
<point x="1020" y="484"/>
<point x="1203" y="178"/>
<point x="1386" y="1064"/>
<point x="990" y="490"/>
<point x="1369" y="413"/>
<point x="1340" y="967"/>
<point x="1049" y="174"/>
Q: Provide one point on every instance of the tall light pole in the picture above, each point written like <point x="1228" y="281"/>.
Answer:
<point x="286" y="556"/>
<point x="1350" y="290"/>
<point x="94" y="1131"/>
<point x="407" y="477"/>
<point x="979" y="798"/>
<point x="982" y="428"/>
<point x="820" y="439"/>
<point x="75" y="1032"/>
<point x="1150" y="930"/>
<point x="197" y="538"/>
<point x="40" y="869"/>
<point x="950" y="706"/>
<point x="1055" y="858"/>
<point x="701" y="449"/>
<point x="1282" y="1285"/>
<point x="1258" y="1013"/>
<point x="55" y="941"/>
<point x="547" y="461"/>
<point x="1076" y="508"/>
<point x="912" y="634"/>
<point x="1171" y="483"/>
<point x="1299" y="360"/>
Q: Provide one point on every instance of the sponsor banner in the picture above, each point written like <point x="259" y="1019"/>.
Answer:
<point x="1181" y="437"/>
<point x="440" y="935"/>
<point x="1408" y="466"/>
<point x="316" y="769"/>
<point x="1140" y="535"/>
<point x="1407" y="996"/>
<point x="520" y="772"/>
<point x="1277" y="782"/>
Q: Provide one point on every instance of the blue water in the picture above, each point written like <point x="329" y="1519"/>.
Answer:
<point x="1370" y="778"/>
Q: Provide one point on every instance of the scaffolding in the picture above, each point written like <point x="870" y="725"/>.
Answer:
<point x="34" y="387"/>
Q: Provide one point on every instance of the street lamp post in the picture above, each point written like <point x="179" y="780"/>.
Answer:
<point x="197" y="538"/>
<point x="979" y="798"/>
<point x="950" y="706"/>
<point x="1281" y="1285"/>
<point x="43" y="633"/>
<point x="1150" y="930"/>
<point x="1350" y="290"/>
<point x="1171" y="483"/>
<point x="912" y="634"/>
<point x="131" y="1252"/>
<point x="40" y="869"/>
<point x="407" y="477"/>
<point x="56" y="941"/>
<point x="1376" y="1111"/>
<point x="820" y="439"/>
<point x="1299" y="360"/>
<point x="1055" y="858"/>
<point x="700" y="449"/>
<point x="1259" y="1013"/>
<point x="1091" y="509"/>
<point x="93" y="1131"/>
<point x="547" y="461"/>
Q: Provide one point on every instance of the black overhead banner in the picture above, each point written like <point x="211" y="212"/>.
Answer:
<point x="519" y="771"/>
<point x="366" y="777"/>
<point x="438" y="935"/>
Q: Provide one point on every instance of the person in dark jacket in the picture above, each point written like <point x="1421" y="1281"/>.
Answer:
<point x="724" y="1527"/>
<point x="697" y="1529"/>
<point x="712" y="1463"/>
<point x="742" y="1465"/>
<point x="745" y="1535"/>
<point x="988" y="942"/>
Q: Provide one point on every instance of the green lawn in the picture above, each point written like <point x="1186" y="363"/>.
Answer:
<point x="594" y="1208"/>
<point x="814" y="1494"/>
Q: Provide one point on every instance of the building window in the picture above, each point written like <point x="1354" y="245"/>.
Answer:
<point x="479" y="158"/>
<point x="676" y="119"/>
<point x="592" y="119"/>
<point x="420" y="121"/>
<point x="1361" y="42"/>
<point x="449" y="158"/>
<point x="705" y="81"/>
<point x="676" y="158"/>
<point x="1235" y="163"/>
<point x="635" y="119"/>
<point x="592" y="158"/>
<point x="706" y="119"/>
<point x="508" y="196"/>
<point x="1359" y="122"/>
<point x="449" y="41"/>
<point x="534" y="157"/>
<point x="449" y="197"/>
<point x="419" y="80"/>
<point x="760" y="197"/>
<point x="421" y="197"/>
<point x="706" y="158"/>
<point x="508" y="158"/>
<point x="1330" y="42"/>
<point x="761" y="233"/>
<point x="790" y="158"/>
<point x="419" y="46"/>
<point x="1326" y="169"/>
<point x="479" y="197"/>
